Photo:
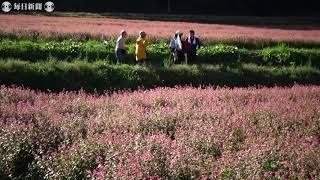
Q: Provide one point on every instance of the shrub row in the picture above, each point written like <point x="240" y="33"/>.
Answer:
<point x="241" y="42"/>
<point x="70" y="50"/>
<point x="101" y="76"/>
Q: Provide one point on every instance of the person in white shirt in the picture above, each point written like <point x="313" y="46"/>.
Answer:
<point x="121" y="49"/>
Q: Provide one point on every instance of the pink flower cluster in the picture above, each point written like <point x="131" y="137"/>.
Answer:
<point x="164" y="133"/>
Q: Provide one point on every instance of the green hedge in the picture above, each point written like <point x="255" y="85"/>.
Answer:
<point x="100" y="76"/>
<point x="69" y="50"/>
<point x="290" y="56"/>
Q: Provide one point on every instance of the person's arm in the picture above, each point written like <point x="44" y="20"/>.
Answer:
<point x="172" y="44"/>
<point x="124" y="45"/>
<point x="146" y="43"/>
<point x="138" y="42"/>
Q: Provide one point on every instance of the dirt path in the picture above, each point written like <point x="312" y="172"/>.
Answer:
<point x="109" y="26"/>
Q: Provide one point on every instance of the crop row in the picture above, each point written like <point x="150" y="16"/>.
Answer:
<point x="101" y="76"/>
<point x="69" y="50"/>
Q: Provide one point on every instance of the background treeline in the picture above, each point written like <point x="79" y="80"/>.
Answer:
<point x="215" y="7"/>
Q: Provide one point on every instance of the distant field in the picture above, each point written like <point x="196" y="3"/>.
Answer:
<point x="199" y="18"/>
<point x="111" y="26"/>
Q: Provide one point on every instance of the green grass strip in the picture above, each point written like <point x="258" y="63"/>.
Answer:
<point x="100" y="76"/>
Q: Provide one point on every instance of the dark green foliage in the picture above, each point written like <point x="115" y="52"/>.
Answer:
<point x="92" y="50"/>
<point x="283" y="55"/>
<point x="76" y="162"/>
<point x="20" y="147"/>
<point x="101" y="76"/>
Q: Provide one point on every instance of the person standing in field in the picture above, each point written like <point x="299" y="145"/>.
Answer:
<point x="176" y="47"/>
<point x="141" y="48"/>
<point x="121" y="49"/>
<point x="196" y="44"/>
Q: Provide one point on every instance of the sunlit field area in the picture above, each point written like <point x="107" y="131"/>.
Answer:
<point x="248" y="107"/>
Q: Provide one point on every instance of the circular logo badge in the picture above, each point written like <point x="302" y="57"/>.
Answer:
<point x="49" y="6"/>
<point x="6" y="6"/>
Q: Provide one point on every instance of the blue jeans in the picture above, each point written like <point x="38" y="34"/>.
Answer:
<point x="120" y="55"/>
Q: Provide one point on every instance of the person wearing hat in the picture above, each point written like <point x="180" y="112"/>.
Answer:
<point x="141" y="48"/>
<point x="121" y="49"/>
<point x="176" y="47"/>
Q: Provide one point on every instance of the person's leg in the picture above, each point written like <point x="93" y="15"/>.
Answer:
<point x="181" y="57"/>
<point x="146" y="62"/>
<point x="175" y="57"/>
<point x="194" y="56"/>
<point x="138" y="62"/>
<point x="143" y="62"/>
<point x="186" y="58"/>
<point x="122" y="56"/>
<point x="117" y="56"/>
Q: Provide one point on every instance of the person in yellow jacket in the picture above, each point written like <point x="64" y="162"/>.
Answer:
<point x="141" y="48"/>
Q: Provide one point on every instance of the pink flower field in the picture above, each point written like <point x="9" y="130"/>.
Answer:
<point x="109" y="26"/>
<point x="164" y="133"/>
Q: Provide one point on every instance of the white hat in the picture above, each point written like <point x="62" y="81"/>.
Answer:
<point x="178" y="32"/>
<point x="123" y="31"/>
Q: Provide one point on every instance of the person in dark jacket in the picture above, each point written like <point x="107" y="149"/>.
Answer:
<point x="196" y="44"/>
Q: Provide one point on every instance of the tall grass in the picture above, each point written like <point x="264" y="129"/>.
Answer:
<point x="101" y="76"/>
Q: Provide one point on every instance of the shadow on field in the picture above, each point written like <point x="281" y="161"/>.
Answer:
<point x="100" y="77"/>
